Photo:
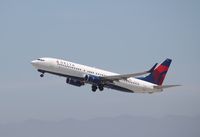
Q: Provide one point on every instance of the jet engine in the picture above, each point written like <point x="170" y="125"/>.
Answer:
<point x="93" y="79"/>
<point x="74" y="82"/>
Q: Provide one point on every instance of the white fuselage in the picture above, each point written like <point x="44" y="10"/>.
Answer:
<point x="66" y="68"/>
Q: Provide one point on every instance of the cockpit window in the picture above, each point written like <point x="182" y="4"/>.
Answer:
<point x="41" y="59"/>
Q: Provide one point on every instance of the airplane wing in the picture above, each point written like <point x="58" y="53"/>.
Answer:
<point x="126" y="76"/>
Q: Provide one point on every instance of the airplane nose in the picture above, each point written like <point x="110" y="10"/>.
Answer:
<point x="33" y="62"/>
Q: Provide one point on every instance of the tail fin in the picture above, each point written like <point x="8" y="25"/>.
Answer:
<point x="157" y="76"/>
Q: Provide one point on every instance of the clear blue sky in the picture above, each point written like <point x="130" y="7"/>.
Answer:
<point x="121" y="36"/>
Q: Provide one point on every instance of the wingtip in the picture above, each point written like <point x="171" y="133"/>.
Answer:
<point x="152" y="69"/>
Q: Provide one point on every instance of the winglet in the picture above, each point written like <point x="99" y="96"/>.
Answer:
<point x="152" y="69"/>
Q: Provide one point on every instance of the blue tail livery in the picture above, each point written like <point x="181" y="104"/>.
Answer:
<point x="157" y="76"/>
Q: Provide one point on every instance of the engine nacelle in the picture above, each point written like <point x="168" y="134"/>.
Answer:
<point x="93" y="79"/>
<point x="74" y="82"/>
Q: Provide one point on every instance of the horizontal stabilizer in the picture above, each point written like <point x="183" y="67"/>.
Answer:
<point x="165" y="86"/>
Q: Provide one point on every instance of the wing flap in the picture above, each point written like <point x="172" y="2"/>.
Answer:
<point x="125" y="76"/>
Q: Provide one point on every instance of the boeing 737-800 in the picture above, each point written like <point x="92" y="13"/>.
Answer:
<point x="79" y="75"/>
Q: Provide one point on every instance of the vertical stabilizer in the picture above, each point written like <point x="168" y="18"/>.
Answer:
<point x="157" y="76"/>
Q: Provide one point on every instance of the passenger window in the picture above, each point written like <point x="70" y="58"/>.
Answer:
<point x="40" y="59"/>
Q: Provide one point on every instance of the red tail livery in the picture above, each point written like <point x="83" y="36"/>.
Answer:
<point x="157" y="76"/>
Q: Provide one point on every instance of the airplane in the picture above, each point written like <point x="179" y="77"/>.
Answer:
<point x="79" y="75"/>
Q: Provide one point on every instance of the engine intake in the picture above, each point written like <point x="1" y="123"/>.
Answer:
<point x="93" y="79"/>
